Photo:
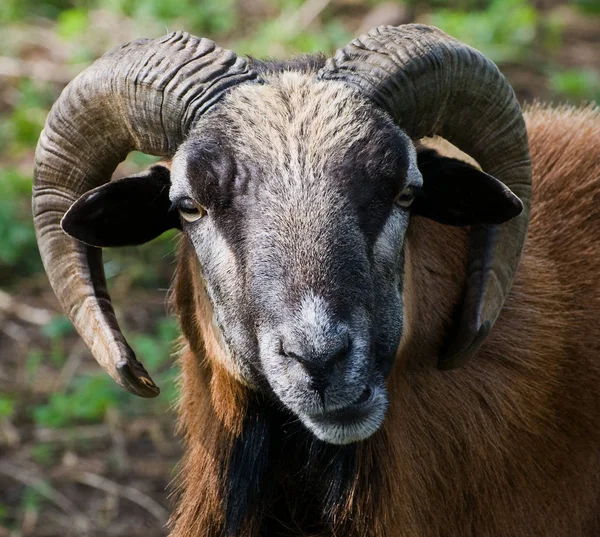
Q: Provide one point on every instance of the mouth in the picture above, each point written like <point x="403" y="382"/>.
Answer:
<point x="352" y="423"/>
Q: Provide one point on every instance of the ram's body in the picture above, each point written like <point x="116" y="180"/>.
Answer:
<point x="314" y="283"/>
<point x="509" y="445"/>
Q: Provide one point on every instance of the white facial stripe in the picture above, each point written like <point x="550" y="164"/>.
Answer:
<point x="218" y="258"/>
<point x="180" y="182"/>
<point x="413" y="175"/>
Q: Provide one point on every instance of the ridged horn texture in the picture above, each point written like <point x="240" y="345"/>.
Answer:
<point x="432" y="84"/>
<point x="145" y="96"/>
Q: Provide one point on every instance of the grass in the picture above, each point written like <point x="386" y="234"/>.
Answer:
<point x="488" y="30"/>
<point x="582" y="84"/>
<point x="88" y="398"/>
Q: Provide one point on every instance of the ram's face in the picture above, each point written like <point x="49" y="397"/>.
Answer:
<point x="293" y="186"/>
<point x="295" y="199"/>
<point x="296" y="196"/>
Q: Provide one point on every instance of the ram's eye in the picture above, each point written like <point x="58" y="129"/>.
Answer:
<point x="189" y="210"/>
<point x="406" y="197"/>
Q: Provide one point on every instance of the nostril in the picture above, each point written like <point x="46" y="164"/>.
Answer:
<point x="364" y="396"/>
<point x="296" y="356"/>
<point x="288" y="353"/>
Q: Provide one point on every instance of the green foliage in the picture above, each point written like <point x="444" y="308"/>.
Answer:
<point x="18" y="249"/>
<point x="580" y="84"/>
<point x="90" y="396"/>
<point x="57" y="328"/>
<point x="7" y="407"/>
<point x="4" y="510"/>
<point x="275" y="38"/>
<point x="72" y="23"/>
<point x="21" y="128"/>
<point x="462" y="5"/>
<point x="503" y="31"/>
<point x="589" y="6"/>
<point x="148" y="266"/>
<point x="16" y="10"/>
<point x="208" y="16"/>
<point x="156" y="351"/>
<point x="87" y="402"/>
<point x="34" y="496"/>
<point x="44" y="454"/>
<point x="140" y="160"/>
<point x="34" y="360"/>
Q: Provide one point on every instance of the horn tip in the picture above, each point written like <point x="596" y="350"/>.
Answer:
<point x="136" y="379"/>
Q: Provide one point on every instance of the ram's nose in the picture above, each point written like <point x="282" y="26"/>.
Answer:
<point x="319" y="355"/>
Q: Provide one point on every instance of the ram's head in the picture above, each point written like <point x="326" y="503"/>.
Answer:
<point x="295" y="185"/>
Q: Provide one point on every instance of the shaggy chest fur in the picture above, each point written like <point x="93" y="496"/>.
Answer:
<point x="505" y="446"/>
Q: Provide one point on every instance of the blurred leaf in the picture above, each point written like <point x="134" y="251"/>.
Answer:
<point x="275" y="39"/>
<point x="553" y="30"/>
<point x="29" y="114"/>
<point x="10" y="11"/>
<point x="148" y="266"/>
<point x="72" y="23"/>
<point x="4" y="510"/>
<point x="579" y="84"/>
<point x="156" y="349"/>
<point x="168" y="330"/>
<point x="56" y="413"/>
<point x="34" y="496"/>
<point x="35" y="357"/>
<point x="59" y="326"/>
<point x="18" y="248"/>
<point x="87" y="402"/>
<point x="502" y="32"/>
<point x="44" y="454"/>
<point x="58" y="355"/>
<point x="56" y="329"/>
<point x="589" y="6"/>
<point x="7" y="407"/>
<point x="141" y="160"/>
<point x="212" y="17"/>
<point x="82" y="54"/>
<point x="151" y="351"/>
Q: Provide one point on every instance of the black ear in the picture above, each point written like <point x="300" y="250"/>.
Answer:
<point x="457" y="194"/>
<point x="126" y="212"/>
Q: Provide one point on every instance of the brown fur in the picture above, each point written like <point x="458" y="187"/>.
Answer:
<point x="506" y="446"/>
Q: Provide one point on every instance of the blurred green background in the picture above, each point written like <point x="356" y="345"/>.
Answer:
<point x="79" y="456"/>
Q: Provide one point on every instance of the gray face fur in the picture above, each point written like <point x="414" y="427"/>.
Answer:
<point x="301" y="248"/>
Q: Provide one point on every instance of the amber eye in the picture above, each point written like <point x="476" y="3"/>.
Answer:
<point x="406" y="197"/>
<point x="189" y="210"/>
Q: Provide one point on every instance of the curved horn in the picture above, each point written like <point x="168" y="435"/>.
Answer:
<point x="145" y="96"/>
<point x="432" y="84"/>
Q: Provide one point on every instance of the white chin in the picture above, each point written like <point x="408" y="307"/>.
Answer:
<point x="349" y="425"/>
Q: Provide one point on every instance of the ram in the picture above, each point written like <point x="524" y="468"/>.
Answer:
<point x="338" y="264"/>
